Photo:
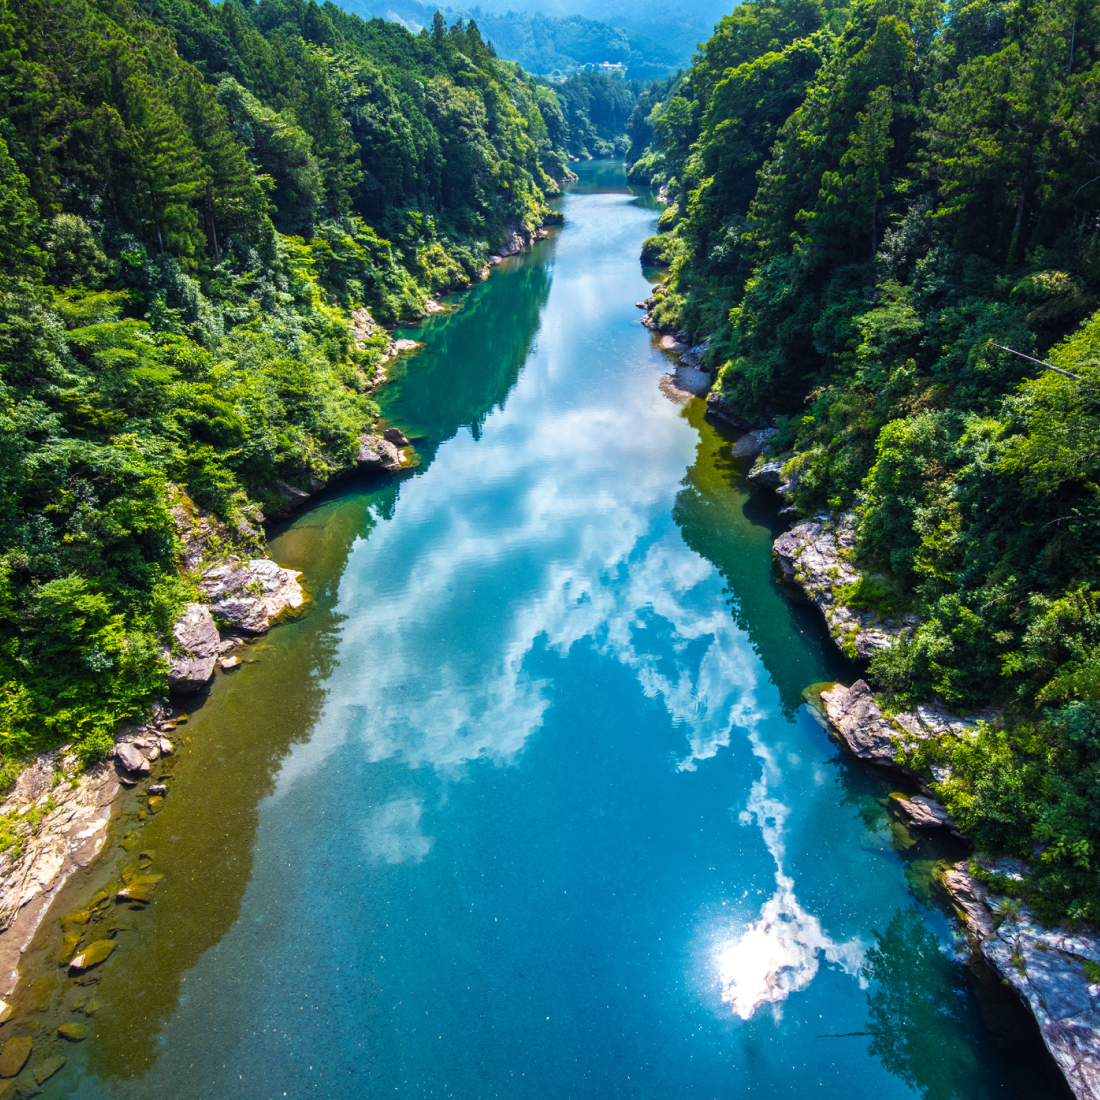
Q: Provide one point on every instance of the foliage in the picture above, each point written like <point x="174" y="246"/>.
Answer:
<point x="193" y="200"/>
<point x="870" y="207"/>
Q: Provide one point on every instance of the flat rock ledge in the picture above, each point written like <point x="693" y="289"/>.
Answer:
<point x="816" y="555"/>
<point x="1045" y="967"/>
<point x="63" y="829"/>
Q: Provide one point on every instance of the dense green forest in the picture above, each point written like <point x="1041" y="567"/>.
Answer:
<point x="193" y="199"/>
<point x="866" y="207"/>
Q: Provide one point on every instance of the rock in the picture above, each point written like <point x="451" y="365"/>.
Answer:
<point x="76" y="919"/>
<point x="752" y="443"/>
<point x="376" y="453"/>
<point x="856" y="716"/>
<point x="69" y="944"/>
<point x="643" y="305"/>
<point x="158" y="788"/>
<point x="430" y="306"/>
<point x="74" y="1032"/>
<point x="14" y="1055"/>
<point x="197" y="636"/>
<point x="45" y="1069"/>
<point x="92" y="955"/>
<point x="251" y="595"/>
<point x="768" y="474"/>
<point x="166" y="747"/>
<point x="292" y="498"/>
<point x="408" y="345"/>
<point x="131" y="759"/>
<point x="670" y="343"/>
<point x="514" y="241"/>
<point x="1043" y="965"/>
<point x="363" y="326"/>
<point x="717" y="406"/>
<point x="155" y="803"/>
<point x="815" y="555"/>
<point x="396" y="436"/>
<point x="204" y="538"/>
<point x="140" y="888"/>
<point x="229" y="663"/>
<point x="922" y="811"/>
<point x="151" y="751"/>
<point x="493" y="260"/>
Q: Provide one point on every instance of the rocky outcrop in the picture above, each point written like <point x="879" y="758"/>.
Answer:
<point x="376" y="452"/>
<point x="816" y="555"/>
<point x="515" y="241"/>
<point x="59" y="817"/>
<point x="250" y="595"/>
<point x="1045" y="966"/>
<point x="752" y="443"/>
<point x="873" y="735"/>
<point x="923" y="812"/>
<point x="192" y="665"/>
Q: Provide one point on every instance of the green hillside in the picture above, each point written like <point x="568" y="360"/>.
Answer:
<point x="867" y="207"/>
<point x="193" y="199"/>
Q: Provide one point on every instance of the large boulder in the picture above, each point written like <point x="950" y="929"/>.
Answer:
<point x="192" y="666"/>
<point x="250" y="595"/>
<point x="862" y="726"/>
<point x="377" y="453"/>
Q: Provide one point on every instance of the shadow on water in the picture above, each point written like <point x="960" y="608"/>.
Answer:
<point x="732" y="525"/>
<point x="475" y="354"/>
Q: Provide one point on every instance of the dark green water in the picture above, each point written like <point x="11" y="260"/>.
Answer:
<point x="528" y="805"/>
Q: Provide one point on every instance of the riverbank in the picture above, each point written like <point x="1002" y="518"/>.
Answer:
<point x="1054" y="971"/>
<point x="59" y="818"/>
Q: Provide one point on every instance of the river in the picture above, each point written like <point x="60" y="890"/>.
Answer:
<point x="528" y="804"/>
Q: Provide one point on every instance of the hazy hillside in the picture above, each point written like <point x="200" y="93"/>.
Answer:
<point x="545" y="36"/>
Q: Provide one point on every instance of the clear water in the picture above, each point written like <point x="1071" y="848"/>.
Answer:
<point x="528" y="805"/>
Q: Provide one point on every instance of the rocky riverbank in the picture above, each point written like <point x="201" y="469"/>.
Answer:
<point x="1055" y="972"/>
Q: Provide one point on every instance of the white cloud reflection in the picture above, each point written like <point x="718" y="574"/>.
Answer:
<point x="779" y="953"/>
<point x="392" y="832"/>
<point x="533" y="540"/>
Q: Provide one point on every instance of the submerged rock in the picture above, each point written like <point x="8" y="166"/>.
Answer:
<point x="197" y="636"/>
<point x="92" y="955"/>
<point x="45" y="1069"/>
<point x="141" y="888"/>
<point x="14" y="1055"/>
<point x="74" y="1032"/>
<point x="396" y="436"/>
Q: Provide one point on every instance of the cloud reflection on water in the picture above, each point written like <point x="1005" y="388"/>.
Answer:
<point x="779" y="953"/>
<point x="484" y="565"/>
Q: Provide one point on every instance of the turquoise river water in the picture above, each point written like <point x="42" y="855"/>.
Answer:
<point x="528" y="803"/>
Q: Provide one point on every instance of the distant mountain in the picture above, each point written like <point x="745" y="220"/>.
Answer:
<point x="549" y="36"/>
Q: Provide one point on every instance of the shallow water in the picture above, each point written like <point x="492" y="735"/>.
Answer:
<point x="528" y="804"/>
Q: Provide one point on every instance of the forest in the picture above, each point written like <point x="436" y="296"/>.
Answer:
<point x="193" y="200"/>
<point x="885" y="221"/>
